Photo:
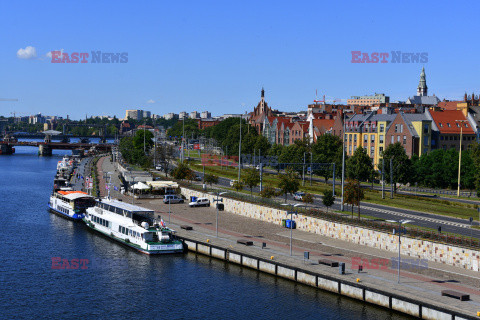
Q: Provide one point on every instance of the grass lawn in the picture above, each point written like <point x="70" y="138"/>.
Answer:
<point x="429" y="205"/>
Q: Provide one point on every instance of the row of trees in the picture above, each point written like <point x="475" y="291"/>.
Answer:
<point x="436" y="169"/>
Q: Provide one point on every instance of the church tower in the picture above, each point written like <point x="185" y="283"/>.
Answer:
<point x="422" y="85"/>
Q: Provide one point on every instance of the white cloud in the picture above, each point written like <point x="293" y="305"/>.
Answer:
<point x="27" y="53"/>
<point x="49" y="54"/>
<point x="151" y="101"/>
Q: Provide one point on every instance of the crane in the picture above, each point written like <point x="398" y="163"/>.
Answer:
<point x="316" y="101"/>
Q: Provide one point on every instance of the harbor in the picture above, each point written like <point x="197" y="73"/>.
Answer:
<point x="182" y="285"/>
<point x="264" y="247"/>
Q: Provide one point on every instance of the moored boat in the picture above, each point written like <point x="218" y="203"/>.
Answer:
<point x="133" y="226"/>
<point x="70" y="204"/>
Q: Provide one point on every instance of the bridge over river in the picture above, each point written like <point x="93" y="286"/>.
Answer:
<point x="45" y="148"/>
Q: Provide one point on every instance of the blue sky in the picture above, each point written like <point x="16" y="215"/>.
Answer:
<point x="217" y="55"/>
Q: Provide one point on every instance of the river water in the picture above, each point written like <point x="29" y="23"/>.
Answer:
<point x="119" y="283"/>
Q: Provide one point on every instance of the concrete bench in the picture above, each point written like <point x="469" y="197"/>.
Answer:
<point x="456" y="294"/>
<point x="185" y="227"/>
<point x="245" y="242"/>
<point x="328" y="262"/>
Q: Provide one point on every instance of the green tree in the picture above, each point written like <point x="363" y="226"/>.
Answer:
<point x="307" y="198"/>
<point x="238" y="185"/>
<point x="328" y="199"/>
<point x="182" y="171"/>
<point x="143" y="137"/>
<point x="401" y="164"/>
<point x="262" y="144"/>
<point x="288" y="182"/>
<point x="275" y="150"/>
<point x="294" y="154"/>
<point x="353" y="194"/>
<point x="191" y="128"/>
<point x="210" y="179"/>
<point x="268" y="192"/>
<point x="328" y="149"/>
<point x="359" y="165"/>
<point x="251" y="178"/>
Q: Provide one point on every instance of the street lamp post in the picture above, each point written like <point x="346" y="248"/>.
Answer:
<point x="460" y="154"/>
<point x="400" y="222"/>
<point x="216" y="205"/>
<point x="240" y="149"/>
<point x="291" y="213"/>
<point x="343" y="160"/>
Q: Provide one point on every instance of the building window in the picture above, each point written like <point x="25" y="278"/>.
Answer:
<point x="401" y="128"/>
<point x="398" y="138"/>
<point x="393" y="139"/>
<point x="448" y="124"/>
<point x="380" y="149"/>
<point x="345" y="137"/>
<point x="372" y="138"/>
<point x="350" y="138"/>
<point x="441" y="125"/>
<point x="466" y="125"/>
<point x="372" y="151"/>
<point x="380" y="139"/>
<point x="354" y="148"/>
<point x="404" y="139"/>
<point x="381" y="128"/>
<point x="396" y="128"/>
<point x="349" y="149"/>
<point x="441" y="137"/>
<point x="458" y="125"/>
<point x="355" y="138"/>
<point x="425" y="128"/>
<point x="365" y="139"/>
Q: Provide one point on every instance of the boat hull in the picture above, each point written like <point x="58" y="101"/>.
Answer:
<point x="133" y="246"/>
<point x="74" y="217"/>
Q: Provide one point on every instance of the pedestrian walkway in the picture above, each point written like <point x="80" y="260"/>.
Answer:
<point x="416" y="283"/>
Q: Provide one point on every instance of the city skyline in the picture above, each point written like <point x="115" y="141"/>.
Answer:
<point x="193" y="65"/>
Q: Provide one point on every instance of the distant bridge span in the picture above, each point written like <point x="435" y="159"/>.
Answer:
<point x="45" y="148"/>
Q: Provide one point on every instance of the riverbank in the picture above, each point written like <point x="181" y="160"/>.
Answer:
<point x="420" y="289"/>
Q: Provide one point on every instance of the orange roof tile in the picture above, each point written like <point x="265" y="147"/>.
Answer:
<point x="445" y="121"/>
<point x="326" y="123"/>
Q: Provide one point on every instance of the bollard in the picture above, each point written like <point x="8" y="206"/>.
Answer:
<point x="341" y="268"/>
<point x="358" y="279"/>
<point x="208" y="240"/>
<point x="271" y="258"/>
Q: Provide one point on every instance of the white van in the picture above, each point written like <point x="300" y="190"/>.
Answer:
<point x="200" y="202"/>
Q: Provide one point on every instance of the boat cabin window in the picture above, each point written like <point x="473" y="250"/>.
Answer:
<point x="148" y="236"/>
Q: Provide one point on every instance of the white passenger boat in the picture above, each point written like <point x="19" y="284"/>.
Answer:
<point x="133" y="226"/>
<point x="70" y="204"/>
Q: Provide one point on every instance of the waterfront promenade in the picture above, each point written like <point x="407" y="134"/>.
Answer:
<point x="423" y="285"/>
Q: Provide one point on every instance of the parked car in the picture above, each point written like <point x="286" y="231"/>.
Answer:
<point x="232" y="182"/>
<point x="172" y="198"/>
<point x="298" y="196"/>
<point x="159" y="168"/>
<point x="198" y="177"/>
<point x="200" y="202"/>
